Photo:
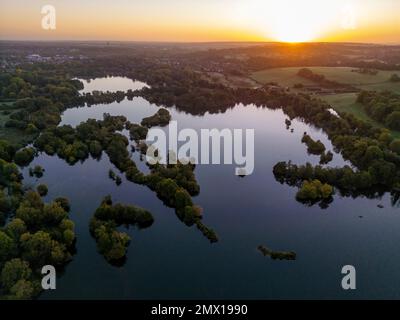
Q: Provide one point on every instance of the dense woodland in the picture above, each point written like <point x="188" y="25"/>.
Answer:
<point x="383" y="107"/>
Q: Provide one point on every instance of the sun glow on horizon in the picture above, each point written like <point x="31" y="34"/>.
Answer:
<point x="206" y="20"/>
<point x="288" y="33"/>
<point x="296" y="21"/>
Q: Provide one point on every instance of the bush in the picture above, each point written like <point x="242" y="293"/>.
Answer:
<point x="161" y="118"/>
<point x="64" y="203"/>
<point x="36" y="171"/>
<point x="42" y="189"/>
<point x="314" y="190"/>
<point x="395" y="146"/>
<point x="314" y="147"/>
<point x="24" y="156"/>
<point x="14" y="271"/>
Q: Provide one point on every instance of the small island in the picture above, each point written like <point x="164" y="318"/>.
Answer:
<point x="111" y="243"/>
<point x="160" y="119"/>
<point x="277" y="255"/>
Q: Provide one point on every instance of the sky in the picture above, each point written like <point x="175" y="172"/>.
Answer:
<point x="204" y="20"/>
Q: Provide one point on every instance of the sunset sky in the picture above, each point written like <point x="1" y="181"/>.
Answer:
<point x="205" y="20"/>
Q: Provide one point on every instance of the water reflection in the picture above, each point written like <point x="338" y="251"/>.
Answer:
<point x="111" y="84"/>
<point x="172" y="261"/>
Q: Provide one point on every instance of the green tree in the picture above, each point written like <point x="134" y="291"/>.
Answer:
<point x="64" y="203"/>
<point x="23" y="290"/>
<point x="13" y="271"/>
<point x="24" y="157"/>
<point x="42" y="189"/>
<point x="373" y="153"/>
<point x="395" y="146"/>
<point x="7" y="247"/>
<point x="16" y="228"/>
<point x="393" y="120"/>
<point x="37" y="248"/>
<point x="7" y="151"/>
<point x="53" y="214"/>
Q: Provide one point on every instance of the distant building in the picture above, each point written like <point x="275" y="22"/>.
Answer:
<point x="37" y="58"/>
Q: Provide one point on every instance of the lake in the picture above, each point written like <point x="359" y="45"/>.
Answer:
<point x="172" y="261"/>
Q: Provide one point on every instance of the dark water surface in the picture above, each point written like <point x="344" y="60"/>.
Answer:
<point x="172" y="261"/>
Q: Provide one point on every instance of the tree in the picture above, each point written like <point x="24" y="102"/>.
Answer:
<point x="42" y="189"/>
<point x="53" y="214"/>
<point x="68" y="237"/>
<point x="326" y="191"/>
<point x="395" y="146"/>
<point x="16" y="228"/>
<point x="395" y="78"/>
<point x="7" y="247"/>
<point x="393" y="120"/>
<point x="307" y="192"/>
<point x="314" y="190"/>
<point x="372" y="153"/>
<point x="30" y="210"/>
<point x="64" y="203"/>
<point x="13" y="271"/>
<point x="24" y="157"/>
<point x="182" y="199"/>
<point x="95" y="149"/>
<point x="36" y="171"/>
<point x="103" y="226"/>
<point x="31" y="129"/>
<point x="314" y="147"/>
<point x="326" y="157"/>
<point x="5" y="205"/>
<point x="161" y="118"/>
<point x="37" y="248"/>
<point x="7" y="151"/>
<point x="23" y="290"/>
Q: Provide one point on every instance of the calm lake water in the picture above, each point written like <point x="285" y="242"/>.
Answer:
<point x="172" y="261"/>
<point x="111" y="84"/>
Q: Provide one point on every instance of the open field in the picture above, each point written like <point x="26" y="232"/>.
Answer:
<point x="230" y="81"/>
<point x="288" y="77"/>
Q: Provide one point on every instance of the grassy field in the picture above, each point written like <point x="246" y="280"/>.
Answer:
<point x="345" y="102"/>
<point x="288" y="77"/>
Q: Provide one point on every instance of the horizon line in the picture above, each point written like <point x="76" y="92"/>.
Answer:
<point x="198" y="42"/>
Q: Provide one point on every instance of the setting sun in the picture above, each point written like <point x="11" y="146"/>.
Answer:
<point x="289" y="21"/>
<point x="293" y="33"/>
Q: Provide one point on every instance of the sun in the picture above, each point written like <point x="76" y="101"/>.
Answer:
<point x="294" y="33"/>
<point x="294" y="21"/>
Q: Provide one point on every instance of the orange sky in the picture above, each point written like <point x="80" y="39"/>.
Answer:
<point x="205" y="20"/>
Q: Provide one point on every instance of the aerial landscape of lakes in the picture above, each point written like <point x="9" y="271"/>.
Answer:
<point x="170" y="260"/>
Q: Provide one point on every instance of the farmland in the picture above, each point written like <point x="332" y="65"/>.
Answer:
<point x="288" y="77"/>
<point x="344" y="102"/>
